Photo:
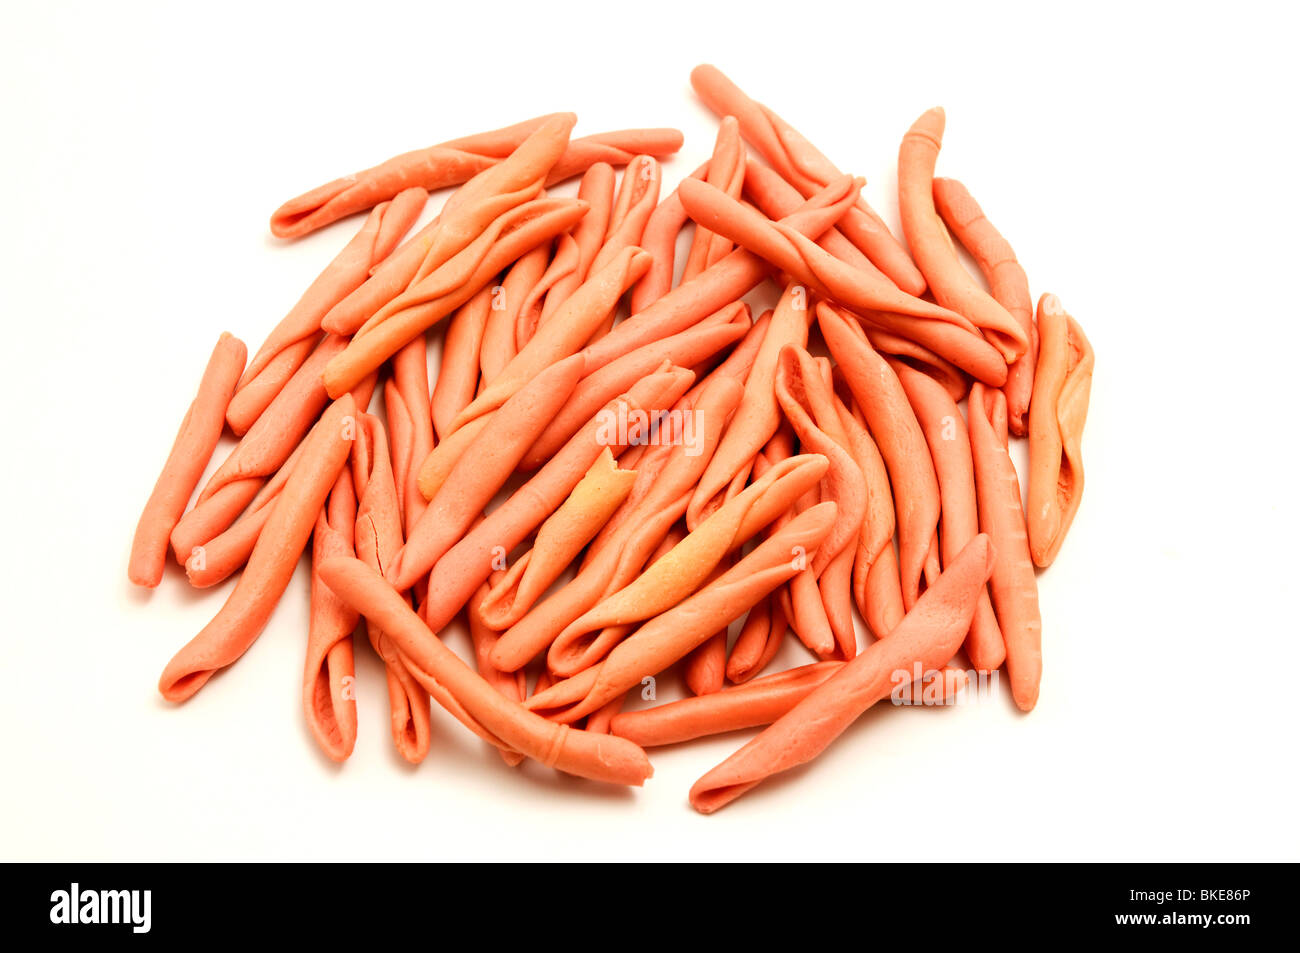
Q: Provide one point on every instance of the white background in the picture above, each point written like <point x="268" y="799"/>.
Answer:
<point x="1140" y="158"/>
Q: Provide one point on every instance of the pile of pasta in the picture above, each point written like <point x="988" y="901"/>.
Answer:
<point x="615" y="469"/>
